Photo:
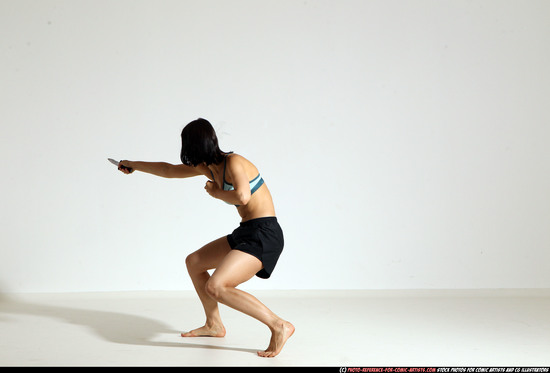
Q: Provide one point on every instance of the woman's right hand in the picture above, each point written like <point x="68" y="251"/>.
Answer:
<point x="125" y="167"/>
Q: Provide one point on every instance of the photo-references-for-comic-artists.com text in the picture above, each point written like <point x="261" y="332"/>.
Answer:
<point x="445" y="370"/>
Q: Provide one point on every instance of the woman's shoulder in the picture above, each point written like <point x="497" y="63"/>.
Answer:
<point x="234" y="159"/>
<point x="203" y="170"/>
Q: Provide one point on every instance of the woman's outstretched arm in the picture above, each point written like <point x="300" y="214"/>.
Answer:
<point x="161" y="169"/>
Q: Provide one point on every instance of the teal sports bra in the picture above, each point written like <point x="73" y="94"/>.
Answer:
<point x="255" y="183"/>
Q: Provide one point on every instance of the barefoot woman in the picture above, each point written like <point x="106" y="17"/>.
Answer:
<point x="252" y="249"/>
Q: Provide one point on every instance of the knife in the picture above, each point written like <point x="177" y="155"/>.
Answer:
<point x="116" y="163"/>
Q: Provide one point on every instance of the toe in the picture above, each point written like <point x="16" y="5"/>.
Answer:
<point x="264" y="353"/>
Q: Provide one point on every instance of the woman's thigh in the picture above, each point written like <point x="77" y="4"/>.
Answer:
<point x="235" y="268"/>
<point x="209" y="256"/>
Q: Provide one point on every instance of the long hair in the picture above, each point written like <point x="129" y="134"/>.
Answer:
<point x="199" y="144"/>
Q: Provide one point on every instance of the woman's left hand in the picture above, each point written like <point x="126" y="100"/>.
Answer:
<point x="212" y="188"/>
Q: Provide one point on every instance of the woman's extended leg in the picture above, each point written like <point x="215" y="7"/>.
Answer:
<point x="236" y="268"/>
<point x="207" y="257"/>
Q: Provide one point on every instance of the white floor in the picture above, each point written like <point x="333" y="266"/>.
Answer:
<point x="333" y="328"/>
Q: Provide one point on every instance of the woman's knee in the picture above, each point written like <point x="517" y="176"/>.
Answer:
<point x="192" y="262"/>
<point x="214" y="289"/>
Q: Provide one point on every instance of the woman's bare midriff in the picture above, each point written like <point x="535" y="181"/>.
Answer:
<point x="259" y="206"/>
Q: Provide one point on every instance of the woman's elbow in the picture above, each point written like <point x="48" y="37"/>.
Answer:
<point x="244" y="198"/>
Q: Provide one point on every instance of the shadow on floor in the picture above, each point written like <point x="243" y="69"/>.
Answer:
<point x="111" y="326"/>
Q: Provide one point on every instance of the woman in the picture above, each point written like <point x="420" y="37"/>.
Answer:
<point x="252" y="249"/>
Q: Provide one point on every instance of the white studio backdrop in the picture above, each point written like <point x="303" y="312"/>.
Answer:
<point x="405" y="142"/>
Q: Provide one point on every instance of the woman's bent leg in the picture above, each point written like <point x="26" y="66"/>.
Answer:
<point x="207" y="257"/>
<point x="236" y="268"/>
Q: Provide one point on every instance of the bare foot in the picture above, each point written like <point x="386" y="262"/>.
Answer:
<point x="279" y="337"/>
<point x="206" y="331"/>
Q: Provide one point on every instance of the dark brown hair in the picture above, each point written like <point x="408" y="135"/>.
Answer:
<point x="199" y="144"/>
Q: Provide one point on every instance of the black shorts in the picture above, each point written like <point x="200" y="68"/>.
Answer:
<point x="262" y="238"/>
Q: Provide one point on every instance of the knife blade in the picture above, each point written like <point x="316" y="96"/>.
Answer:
<point x="113" y="161"/>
